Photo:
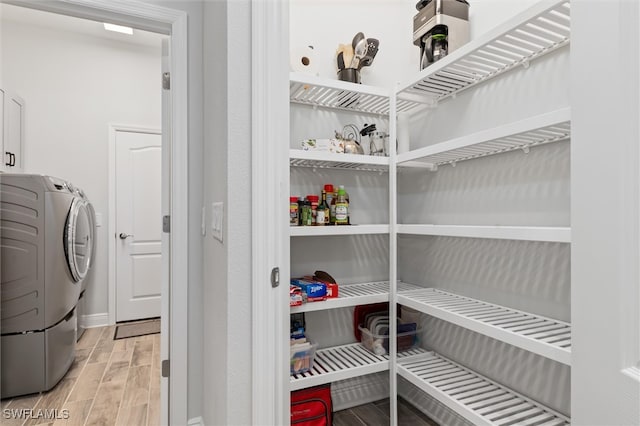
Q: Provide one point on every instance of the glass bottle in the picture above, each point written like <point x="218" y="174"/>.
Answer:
<point x="342" y="208"/>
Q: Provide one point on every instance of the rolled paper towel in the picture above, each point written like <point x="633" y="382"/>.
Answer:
<point x="403" y="132"/>
<point x="303" y="60"/>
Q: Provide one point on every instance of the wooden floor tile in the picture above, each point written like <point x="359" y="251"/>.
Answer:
<point x="82" y="355"/>
<point x="102" y="352"/>
<point x="106" y="404"/>
<point x="153" y="409"/>
<point x="77" y="412"/>
<point x="121" y="356"/>
<point x="116" y="371"/>
<point x="54" y="399"/>
<point x="89" y="338"/>
<point x="137" y="387"/>
<point x="136" y="415"/>
<point x="16" y="416"/>
<point x="87" y="384"/>
<point x="142" y="353"/>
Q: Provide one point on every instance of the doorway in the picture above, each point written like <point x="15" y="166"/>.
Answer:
<point x="135" y="196"/>
<point x="171" y="22"/>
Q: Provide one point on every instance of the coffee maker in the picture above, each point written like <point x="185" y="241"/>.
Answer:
<point x="439" y="28"/>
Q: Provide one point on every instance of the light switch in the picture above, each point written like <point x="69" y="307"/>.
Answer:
<point x="217" y="215"/>
<point x="98" y="219"/>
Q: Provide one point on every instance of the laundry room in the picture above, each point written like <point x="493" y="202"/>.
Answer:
<point x="82" y="109"/>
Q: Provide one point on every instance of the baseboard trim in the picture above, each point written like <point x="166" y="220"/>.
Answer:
<point x="95" y="320"/>
<point x="196" y="421"/>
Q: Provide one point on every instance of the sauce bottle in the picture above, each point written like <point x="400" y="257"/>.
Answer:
<point x="332" y="207"/>
<point x="342" y="208"/>
<point x="322" y="212"/>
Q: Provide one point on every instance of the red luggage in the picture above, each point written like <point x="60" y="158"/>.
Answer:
<point x="312" y="406"/>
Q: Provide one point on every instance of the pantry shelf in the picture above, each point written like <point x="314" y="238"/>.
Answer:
<point x="325" y="231"/>
<point x="476" y="398"/>
<point x="344" y="362"/>
<point x="323" y="92"/>
<point x="353" y="295"/>
<point x="537" y="31"/>
<point x="546" y="337"/>
<point x="534" y="131"/>
<point x="522" y="233"/>
<point x="328" y="160"/>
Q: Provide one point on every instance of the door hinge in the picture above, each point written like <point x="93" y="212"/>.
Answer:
<point x="166" y="80"/>
<point x="275" y="277"/>
<point x="166" y="224"/>
<point x="165" y="367"/>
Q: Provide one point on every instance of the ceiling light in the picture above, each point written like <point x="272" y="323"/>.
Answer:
<point x="118" y="28"/>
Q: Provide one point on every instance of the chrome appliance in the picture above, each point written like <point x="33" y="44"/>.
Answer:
<point x="439" y="28"/>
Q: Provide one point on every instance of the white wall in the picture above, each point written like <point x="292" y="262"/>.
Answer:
<point x="74" y="85"/>
<point x="227" y="264"/>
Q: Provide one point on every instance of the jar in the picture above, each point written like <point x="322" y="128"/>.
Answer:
<point x="293" y="211"/>
<point x="314" y="200"/>
<point x="307" y="220"/>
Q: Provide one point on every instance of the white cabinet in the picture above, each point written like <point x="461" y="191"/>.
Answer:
<point x="12" y="132"/>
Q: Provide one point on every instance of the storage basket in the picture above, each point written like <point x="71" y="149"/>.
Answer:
<point x="302" y="358"/>
<point x="377" y="341"/>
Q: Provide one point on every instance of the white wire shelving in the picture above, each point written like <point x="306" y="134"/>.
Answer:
<point x="344" y="362"/>
<point x="325" y="231"/>
<point x="353" y="295"/>
<point x="473" y="396"/>
<point x="546" y="337"/>
<point x="537" y="31"/>
<point x="335" y="94"/>
<point x="521" y="233"/>
<point x="554" y="126"/>
<point x="328" y="160"/>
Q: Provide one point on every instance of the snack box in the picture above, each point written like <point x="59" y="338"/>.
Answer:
<point x="324" y="145"/>
<point x="315" y="290"/>
<point x="295" y="295"/>
<point x="332" y="287"/>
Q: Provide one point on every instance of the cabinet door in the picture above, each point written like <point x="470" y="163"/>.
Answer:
<point x="13" y="132"/>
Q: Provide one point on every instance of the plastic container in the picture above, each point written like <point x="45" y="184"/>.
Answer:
<point x="301" y="360"/>
<point x="378" y="343"/>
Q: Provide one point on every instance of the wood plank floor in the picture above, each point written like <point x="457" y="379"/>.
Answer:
<point x="377" y="414"/>
<point x="111" y="382"/>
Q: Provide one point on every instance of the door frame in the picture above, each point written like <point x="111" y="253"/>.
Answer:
<point x="171" y="22"/>
<point x="112" y="226"/>
<point x="270" y="231"/>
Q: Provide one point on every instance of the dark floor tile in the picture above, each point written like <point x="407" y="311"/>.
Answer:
<point x="346" y="418"/>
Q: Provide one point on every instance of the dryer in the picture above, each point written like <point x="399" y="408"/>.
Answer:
<point x="45" y="248"/>
<point x="81" y="306"/>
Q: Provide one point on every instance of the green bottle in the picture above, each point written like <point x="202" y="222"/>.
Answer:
<point x="342" y="208"/>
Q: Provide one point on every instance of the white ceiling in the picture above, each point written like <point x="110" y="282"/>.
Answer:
<point x="76" y="25"/>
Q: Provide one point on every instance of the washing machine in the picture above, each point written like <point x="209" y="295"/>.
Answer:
<point x="45" y="249"/>
<point x="82" y="301"/>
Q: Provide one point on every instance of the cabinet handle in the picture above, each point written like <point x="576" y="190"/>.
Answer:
<point x="10" y="158"/>
<point x="13" y="160"/>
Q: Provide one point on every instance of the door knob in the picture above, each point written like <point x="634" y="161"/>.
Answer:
<point x="124" y="236"/>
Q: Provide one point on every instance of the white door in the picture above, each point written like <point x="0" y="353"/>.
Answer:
<point x="138" y="225"/>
